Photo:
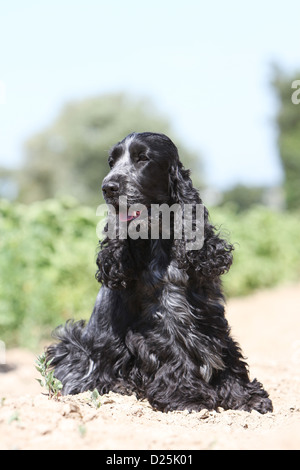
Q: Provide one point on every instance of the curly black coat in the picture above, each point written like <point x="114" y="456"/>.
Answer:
<point x="158" y="327"/>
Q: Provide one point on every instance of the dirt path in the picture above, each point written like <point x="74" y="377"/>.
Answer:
<point x="267" y="325"/>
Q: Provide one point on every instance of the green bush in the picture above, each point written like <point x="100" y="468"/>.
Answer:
<point x="48" y="250"/>
<point x="267" y="247"/>
<point x="47" y="267"/>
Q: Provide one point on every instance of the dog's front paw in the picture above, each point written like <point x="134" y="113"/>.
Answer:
<point x="262" y="405"/>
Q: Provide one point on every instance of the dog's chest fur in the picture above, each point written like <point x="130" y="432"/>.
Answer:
<point x="161" y="317"/>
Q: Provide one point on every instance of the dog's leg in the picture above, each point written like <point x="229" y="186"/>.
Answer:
<point x="168" y="394"/>
<point x="71" y="358"/>
<point x="88" y="356"/>
<point x="246" y="396"/>
<point x="236" y="390"/>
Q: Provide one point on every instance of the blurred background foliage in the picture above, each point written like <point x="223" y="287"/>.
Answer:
<point x="48" y="213"/>
<point x="288" y="124"/>
<point x="70" y="157"/>
<point x="47" y="267"/>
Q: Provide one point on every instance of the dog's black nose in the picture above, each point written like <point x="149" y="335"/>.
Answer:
<point x="110" y="188"/>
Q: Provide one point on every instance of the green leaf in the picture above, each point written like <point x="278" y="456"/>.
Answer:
<point x="40" y="382"/>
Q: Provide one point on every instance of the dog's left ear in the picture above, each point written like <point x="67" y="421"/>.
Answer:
<point x="181" y="186"/>
<point x="214" y="257"/>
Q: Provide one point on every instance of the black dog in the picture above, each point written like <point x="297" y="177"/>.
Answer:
<point x="158" y="327"/>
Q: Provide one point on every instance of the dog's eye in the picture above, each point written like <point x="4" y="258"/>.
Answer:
<point x="111" y="162"/>
<point x="142" y="158"/>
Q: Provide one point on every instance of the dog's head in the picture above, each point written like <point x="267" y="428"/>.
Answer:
<point x="140" y="170"/>
<point x="146" y="169"/>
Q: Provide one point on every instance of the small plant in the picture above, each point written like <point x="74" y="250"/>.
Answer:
<point x="95" y="398"/>
<point x="52" y="384"/>
<point x="14" y="417"/>
<point x="82" y="430"/>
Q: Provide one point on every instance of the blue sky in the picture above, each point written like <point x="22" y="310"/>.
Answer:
<point x="205" y="65"/>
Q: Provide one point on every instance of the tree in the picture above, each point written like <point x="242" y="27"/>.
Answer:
<point x="288" y="124"/>
<point x="243" y="197"/>
<point x="8" y="184"/>
<point x="70" y="157"/>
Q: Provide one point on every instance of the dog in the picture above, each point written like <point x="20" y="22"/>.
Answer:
<point x="158" y="328"/>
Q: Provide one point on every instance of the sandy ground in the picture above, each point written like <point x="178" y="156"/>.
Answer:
<point x="266" y="324"/>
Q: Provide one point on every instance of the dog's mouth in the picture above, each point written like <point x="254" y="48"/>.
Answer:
<point x="129" y="212"/>
<point x="124" y="216"/>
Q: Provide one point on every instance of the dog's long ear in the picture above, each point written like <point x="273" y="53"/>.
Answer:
<point x="116" y="267"/>
<point x="181" y="186"/>
<point x="214" y="257"/>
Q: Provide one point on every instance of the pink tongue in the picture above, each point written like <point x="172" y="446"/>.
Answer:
<point x="124" y="217"/>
